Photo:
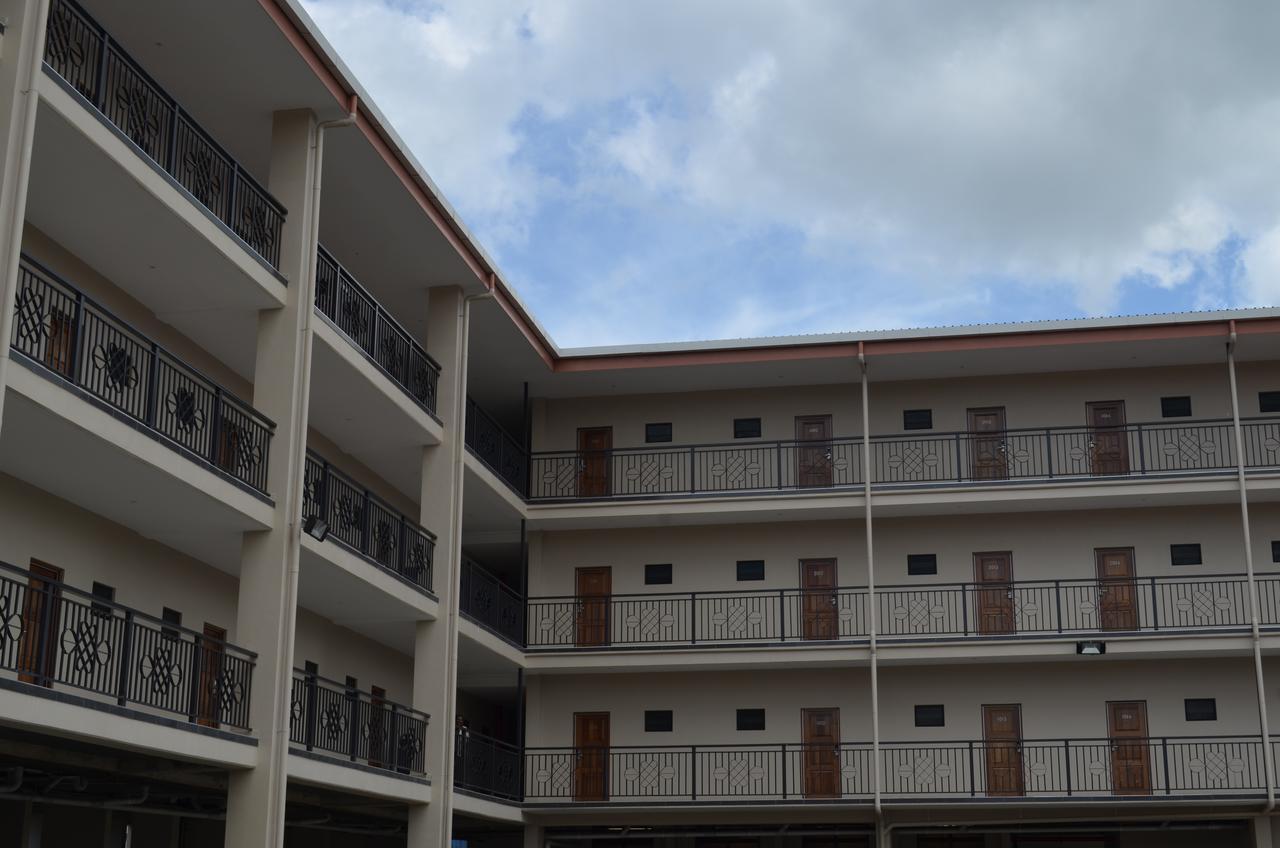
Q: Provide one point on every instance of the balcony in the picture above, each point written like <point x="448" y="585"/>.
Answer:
<point x="365" y="524"/>
<point x="486" y="766"/>
<point x="925" y="612"/>
<point x="501" y="452"/>
<point x="1092" y="770"/>
<point x="71" y="338"/>
<point x="492" y="604"/>
<point x="345" y="723"/>
<point x="1159" y="449"/>
<point x="55" y="636"/>
<point x="92" y="64"/>
<point x="354" y="311"/>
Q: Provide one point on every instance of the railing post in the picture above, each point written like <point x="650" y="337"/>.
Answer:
<point x="693" y="618"/>
<point x="693" y="472"/>
<point x="1155" y="613"/>
<point x="171" y="143"/>
<point x="1057" y="598"/>
<point x="1142" y="450"/>
<point x="782" y="615"/>
<point x="777" y="452"/>
<point x="959" y="460"/>
<point x="1164" y="749"/>
<point x="1066" y="763"/>
<point x="231" y="199"/>
<point x="353" y="722"/>
<point x="693" y="773"/>
<point x="197" y="666"/>
<point x="783" y="751"/>
<point x="973" y="786"/>
<point x="311" y="695"/>
<point x="366" y="521"/>
<point x="126" y="659"/>
<point x="153" y="383"/>
<point x="215" y="432"/>
<point x="964" y="606"/>
<point x="1048" y="451"/>
<point x="390" y="754"/>
<point x="73" y="371"/>
<point x="100" y="79"/>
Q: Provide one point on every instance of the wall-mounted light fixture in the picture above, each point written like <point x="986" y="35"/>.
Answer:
<point x="1091" y="649"/>
<point x="316" y="528"/>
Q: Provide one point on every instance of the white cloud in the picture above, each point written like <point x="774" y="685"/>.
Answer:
<point x="1059" y="144"/>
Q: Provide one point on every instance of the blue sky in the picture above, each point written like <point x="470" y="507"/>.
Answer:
<point x="665" y="171"/>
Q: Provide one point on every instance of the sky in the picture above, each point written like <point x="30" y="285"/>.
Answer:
<point x="646" y="171"/>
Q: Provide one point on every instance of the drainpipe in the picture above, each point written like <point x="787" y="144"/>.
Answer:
<point x="871" y="590"/>
<point x="1268" y="761"/>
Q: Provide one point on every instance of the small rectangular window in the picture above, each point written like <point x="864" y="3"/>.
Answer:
<point x="750" y="569"/>
<point x="751" y="719"/>
<point x="1175" y="407"/>
<point x="1185" y="554"/>
<point x="1269" y="401"/>
<point x="172" y="617"/>
<point x="1201" y="709"/>
<point x="746" y="428"/>
<point x="922" y="563"/>
<point x="1275" y="551"/>
<point x="657" y="574"/>
<point x="105" y="593"/>
<point x="917" y="419"/>
<point x="657" y="721"/>
<point x="930" y="715"/>
<point x="657" y="432"/>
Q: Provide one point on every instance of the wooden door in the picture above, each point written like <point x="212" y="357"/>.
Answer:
<point x="993" y="572"/>
<point x="229" y="446"/>
<point x="591" y="756"/>
<point x="595" y="586"/>
<point x="210" y="670"/>
<point x="41" y="611"/>
<point x="379" y="725"/>
<point x="1108" y="437"/>
<point x="818" y="585"/>
<point x="62" y="336"/>
<point x="1117" y="589"/>
<point x="813" y="450"/>
<point x="594" y="451"/>
<point x="821" y="740"/>
<point x="988" y="455"/>
<point x="1002" y="737"/>
<point x="1130" y="748"/>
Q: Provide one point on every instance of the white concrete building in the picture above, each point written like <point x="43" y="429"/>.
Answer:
<point x="310" y="536"/>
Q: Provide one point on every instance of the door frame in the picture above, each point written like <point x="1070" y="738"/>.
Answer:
<point x="604" y="602"/>
<point x="1022" y="788"/>
<point x="207" y="705"/>
<point x="806" y="594"/>
<point x="43" y="592"/>
<point x="809" y="754"/>
<point x="1098" y="554"/>
<point x="578" y="749"/>
<point x="828" y="476"/>
<point x="1122" y="429"/>
<point x="1003" y="467"/>
<point x="605" y="459"/>
<point x="980" y="600"/>
<point x="1112" y="745"/>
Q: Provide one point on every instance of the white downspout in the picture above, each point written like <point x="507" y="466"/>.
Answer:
<point x="871" y="590"/>
<point x="1268" y="761"/>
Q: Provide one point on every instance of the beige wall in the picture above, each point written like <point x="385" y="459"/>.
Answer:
<point x="1060" y="700"/>
<point x="1030" y="400"/>
<point x="341" y="653"/>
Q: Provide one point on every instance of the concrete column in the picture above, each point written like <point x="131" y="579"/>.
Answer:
<point x="32" y="826"/>
<point x="533" y="836"/>
<point x="435" y="672"/>
<point x="269" y="559"/>
<point x="21" y="52"/>
<point x="1262" y="832"/>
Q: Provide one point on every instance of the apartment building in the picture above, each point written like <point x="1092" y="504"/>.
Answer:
<point x="309" y="535"/>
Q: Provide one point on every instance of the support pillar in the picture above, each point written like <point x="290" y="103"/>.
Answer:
<point x="435" y="673"/>
<point x="534" y="836"/>
<point x="32" y="826"/>
<point x="21" y="52"/>
<point x="1262" y="832"/>
<point x="269" y="559"/>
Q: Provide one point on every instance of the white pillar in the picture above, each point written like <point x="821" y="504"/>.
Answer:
<point x="533" y="836"/>
<point x="23" y="50"/>
<point x="435" y="673"/>
<point x="1263" y="836"/>
<point x="269" y="559"/>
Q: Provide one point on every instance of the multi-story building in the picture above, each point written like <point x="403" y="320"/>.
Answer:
<point x="310" y="536"/>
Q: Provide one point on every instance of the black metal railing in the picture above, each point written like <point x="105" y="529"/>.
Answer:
<point x="1048" y="453"/>
<point x="57" y="326"/>
<point x="1154" y="767"/>
<point x="487" y="766"/>
<point x="367" y="524"/>
<point x="926" y="611"/>
<point x="54" y="635"/>
<point x="342" y="721"/>
<point x="91" y="62"/>
<point x="372" y="329"/>
<point x="489" y="602"/>
<point x="498" y="449"/>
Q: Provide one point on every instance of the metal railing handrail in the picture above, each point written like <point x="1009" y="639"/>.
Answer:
<point x="329" y="683"/>
<point x="917" y="743"/>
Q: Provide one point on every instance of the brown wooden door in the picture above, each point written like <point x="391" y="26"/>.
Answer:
<point x="210" y="670"/>
<point x="595" y="586"/>
<point x="813" y="450"/>
<point x="379" y="725"/>
<point x="591" y="756"/>
<point x="62" y="335"/>
<point x="1117" y="589"/>
<point x="993" y="572"/>
<point x="1130" y="748"/>
<point x="1108" y="438"/>
<point x="821" y="740"/>
<point x="818" y="585"/>
<point x="1002" y="735"/>
<point x="594" y="447"/>
<point x="988" y="455"/>
<point x="41" y="611"/>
